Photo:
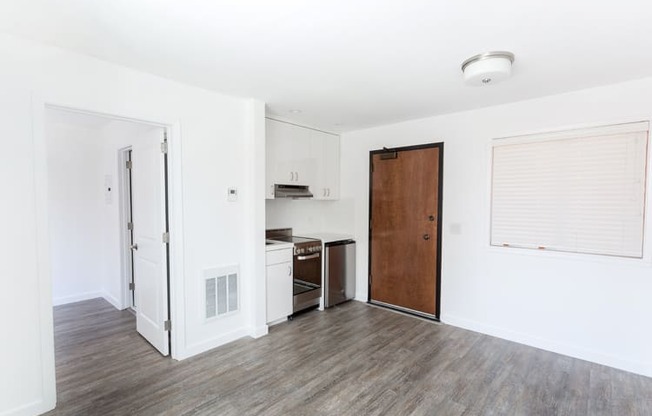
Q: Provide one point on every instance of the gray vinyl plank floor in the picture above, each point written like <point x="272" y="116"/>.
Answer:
<point x="352" y="359"/>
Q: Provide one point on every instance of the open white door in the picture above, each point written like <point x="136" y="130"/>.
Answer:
<point x="149" y="249"/>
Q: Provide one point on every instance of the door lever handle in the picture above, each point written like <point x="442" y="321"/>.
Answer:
<point x="426" y="236"/>
<point x="134" y="247"/>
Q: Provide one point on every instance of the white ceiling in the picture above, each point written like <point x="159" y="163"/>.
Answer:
<point x="355" y="63"/>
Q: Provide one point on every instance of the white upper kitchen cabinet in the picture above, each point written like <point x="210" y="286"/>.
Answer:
<point x="298" y="155"/>
<point x="289" y="157"/>
<point x="327" y="178"/>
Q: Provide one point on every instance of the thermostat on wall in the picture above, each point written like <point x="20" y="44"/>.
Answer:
<point x="232" y="194"/>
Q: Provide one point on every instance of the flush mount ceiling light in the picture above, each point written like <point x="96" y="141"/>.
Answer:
<point x="487" y="68"/>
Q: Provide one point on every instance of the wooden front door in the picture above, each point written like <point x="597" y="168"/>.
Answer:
<point x="405" y="228"/>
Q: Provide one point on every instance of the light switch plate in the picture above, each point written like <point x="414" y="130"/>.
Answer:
<point x="232" y="194"/>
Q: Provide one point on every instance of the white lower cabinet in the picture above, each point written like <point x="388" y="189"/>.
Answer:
<point x="279" y="285"/>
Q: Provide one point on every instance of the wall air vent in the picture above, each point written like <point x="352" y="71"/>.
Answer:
<point x="221" y="291"/>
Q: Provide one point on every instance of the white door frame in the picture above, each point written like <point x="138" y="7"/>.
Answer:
<point x="126" y="259"/>
<point x="175" y="217"/>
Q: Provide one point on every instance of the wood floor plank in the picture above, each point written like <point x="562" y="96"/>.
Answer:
<point x="352" y="359"/>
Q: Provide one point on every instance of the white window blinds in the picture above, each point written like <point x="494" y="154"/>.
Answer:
<point x="579" y="191"/>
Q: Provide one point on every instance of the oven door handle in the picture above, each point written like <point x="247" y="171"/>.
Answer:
<point x="311" y="256"/>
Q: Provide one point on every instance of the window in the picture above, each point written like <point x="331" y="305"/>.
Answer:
<point x="579" y="191"/>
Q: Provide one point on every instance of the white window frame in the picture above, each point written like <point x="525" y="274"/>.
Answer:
<point x="557" y="241"/>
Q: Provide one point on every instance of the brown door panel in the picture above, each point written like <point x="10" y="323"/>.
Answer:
<point x="403" y="264"/>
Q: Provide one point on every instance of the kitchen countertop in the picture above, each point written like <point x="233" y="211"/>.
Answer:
<point x="277" y="245"/>
<point x="327" y="237"/>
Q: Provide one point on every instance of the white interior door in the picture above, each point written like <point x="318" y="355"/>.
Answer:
<point x="149" y="250"/>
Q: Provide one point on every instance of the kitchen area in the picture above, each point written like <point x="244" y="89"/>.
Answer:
<point x="310" y="260"/>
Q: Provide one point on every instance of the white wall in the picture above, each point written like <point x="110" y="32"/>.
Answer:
<point x="305" y="215"/>
<point x="75" y="205"/>
<point x="585" y="306"/>
<point x="85" y="248"/>
<point x="210" y="138"/>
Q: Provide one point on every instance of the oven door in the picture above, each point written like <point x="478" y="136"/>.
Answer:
<point x="307" y="281"/>
<point x="307" y="268"/>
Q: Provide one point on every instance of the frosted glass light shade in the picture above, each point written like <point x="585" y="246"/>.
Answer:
<point x="488" y="68"/>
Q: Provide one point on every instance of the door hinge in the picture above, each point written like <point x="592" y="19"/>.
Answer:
<point x="371" y="167"/>
<point x="130" y="225"/>
<point x="369" y="224"/>
<point x="164" y="147"/>
<point x="167" y="325"/>
<point x="370" y="279"/>
<point x="132" y="286"/>
<point x="129" y="164"/>
<point x="166" y="237"/>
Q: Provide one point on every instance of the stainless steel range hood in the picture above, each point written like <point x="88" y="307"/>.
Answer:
<point x="292" y="191"/>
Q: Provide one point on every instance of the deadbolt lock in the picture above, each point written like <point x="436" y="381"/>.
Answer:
<point x="426" y="236"/>
<point x="431" y="218"/>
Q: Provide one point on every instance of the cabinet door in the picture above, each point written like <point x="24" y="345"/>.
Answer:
<point x="303" y="158"/>
<point x="279" y="291"/>
<point x="331" y="162"/>
<point x="279" y="142"/>
<point x="326" y="148"/>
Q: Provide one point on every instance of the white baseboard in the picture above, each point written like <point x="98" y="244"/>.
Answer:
<point x="204" y="346"/>
<point x="76" y="298"/>
<point x="34" y="408"/>
<point x="548" y="345"/>
<point x="113" y="301"/>
<point x="80" y="297"/>
<point x="260" y="331"/>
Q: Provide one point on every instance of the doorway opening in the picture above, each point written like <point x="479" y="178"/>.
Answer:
<point x="405" y="206"/>
<point x="108" y="215"/>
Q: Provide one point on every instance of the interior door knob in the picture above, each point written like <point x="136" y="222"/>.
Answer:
<point x="426" y="236"/>
<point x="431" y="218"/>
<point x="134" y="246"/>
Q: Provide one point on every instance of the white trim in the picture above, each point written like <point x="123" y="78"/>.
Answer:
<point x="80" y="297"/>
<point x="261" y="331"/>
<point x="113" y="301"/>
<point x="176" y="258"/>
<point x="36" y="407"/>
<point x="45" y="323"/>
<point x="549" y="345"/>
<point x="125" y="250"/>
<point x="194" y="349"/>
<point x="559" y="223"/>
<point x="574" y="133"/>
<point x="44" y="277"/>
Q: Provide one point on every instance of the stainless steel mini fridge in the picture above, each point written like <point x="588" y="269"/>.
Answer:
<point x="339" y="272"/>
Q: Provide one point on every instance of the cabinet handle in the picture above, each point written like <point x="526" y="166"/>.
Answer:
<point x="329" y="192"/>
<point x="324" y="192"/>
<point x="289" y="270"/>
<point x="291" y="176"/>
<point x="297" y="176"/>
